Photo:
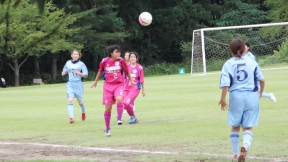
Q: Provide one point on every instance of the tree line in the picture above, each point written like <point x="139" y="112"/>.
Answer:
<point x="37" y="36"/>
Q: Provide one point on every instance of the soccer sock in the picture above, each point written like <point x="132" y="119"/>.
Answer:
<point x="83" y="107"/>
<point x="247" y="138"/>
<point x="234" y="138"/>
<point x="107" y="117"/>
<point x="71" y="110"/>
<point x="119" y="110"/>
<point x="266" y="95"/>
<point x="130" y="110"/>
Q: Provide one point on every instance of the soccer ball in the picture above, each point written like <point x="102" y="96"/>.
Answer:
<point x="145" y="18"/>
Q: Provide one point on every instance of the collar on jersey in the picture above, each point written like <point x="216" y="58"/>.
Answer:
<point x="74" y="62"/>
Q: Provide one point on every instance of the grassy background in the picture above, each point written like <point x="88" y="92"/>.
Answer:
<point x="179" y="113"/>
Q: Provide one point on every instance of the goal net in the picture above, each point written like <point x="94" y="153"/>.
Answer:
<point x="210" y="46"/>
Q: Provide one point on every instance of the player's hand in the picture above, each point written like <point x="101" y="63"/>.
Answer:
<point x="223" y="104"/>
<point x="133" y="83"/>
<point x="93" y="85"/>
<point x="143" y="93"/>
<point x="76" y="72"/>
<point x="64" y="73"/>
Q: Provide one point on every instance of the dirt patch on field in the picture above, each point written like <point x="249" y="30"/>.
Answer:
<point x="12" y="152"/>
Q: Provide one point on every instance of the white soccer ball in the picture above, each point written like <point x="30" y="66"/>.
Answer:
<point x="145" y="18"/>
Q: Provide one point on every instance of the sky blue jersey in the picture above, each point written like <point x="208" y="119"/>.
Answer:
<point x="70" y="66"/>
<point x="249" y="54"/>
<point x="241" y="74"/>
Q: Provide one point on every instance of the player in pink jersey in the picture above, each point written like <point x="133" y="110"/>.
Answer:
<point x="126" y="58"/>
<point x="137" y="73"/>
<point x="112" y="69"/>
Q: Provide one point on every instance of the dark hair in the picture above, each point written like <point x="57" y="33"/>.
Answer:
<point x="237" y="47"/>
<point x="135" y="53"/>
<point x="247" y="44"/>
<point x="110" y="49"/>
<point x="126" y="52"/>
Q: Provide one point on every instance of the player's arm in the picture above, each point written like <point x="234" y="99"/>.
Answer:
<point x="222" y="101"/>
<point x="64" y="72"/>
<point x="143" y="90"/>
<point x="142" y="80"/>
<point x="125" y="68"/>
<point x="98" y="76"/>
<point x="262" y="84"/>
<point x="83" y="73"/>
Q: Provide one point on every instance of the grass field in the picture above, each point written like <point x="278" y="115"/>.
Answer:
<point x="179" y="120"/>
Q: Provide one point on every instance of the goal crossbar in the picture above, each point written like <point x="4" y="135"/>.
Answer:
<point x="199" y="53"/>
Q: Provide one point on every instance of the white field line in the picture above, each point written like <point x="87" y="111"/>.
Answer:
<point x="137" y="151"/>
<point x="280" y="68"/>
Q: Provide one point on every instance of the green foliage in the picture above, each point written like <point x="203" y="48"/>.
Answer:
<point x="165" y="69"/>
<point x="279" y="56"/>
<point x="278" y="10"/>
<point x="240" y="13"/>
<point x="31" y="34"/>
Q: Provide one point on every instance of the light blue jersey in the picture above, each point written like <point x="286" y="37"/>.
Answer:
<point x="241" y="74"/>
<point x="249" y="54"/>
<point x="70" y="66"/>
<point x="74" y="85"/>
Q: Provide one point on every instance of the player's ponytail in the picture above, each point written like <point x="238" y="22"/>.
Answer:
<point x="237" y="47"/>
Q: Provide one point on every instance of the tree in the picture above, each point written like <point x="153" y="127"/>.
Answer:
<point x="30" y="33"/>
<point x="99" y="25"/>
<point x="240" y="13"/>
<point x="278" y="10"/>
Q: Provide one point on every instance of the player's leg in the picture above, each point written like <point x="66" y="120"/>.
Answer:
<point x="70" y="96"/>
<point x="71" y="110"/>
<point x="250" y="120"/>
<point x="129" y="104"/>
<point x="108" y="100"/>
<point x="269" y="95"/>
<point x="124" y="96"/>
<point x="235" y="112"/>
<point x="234" y="139"/>
<point x="118" y="94"/>
<point x="79" y="92"/>
<point x="107" y="118"/>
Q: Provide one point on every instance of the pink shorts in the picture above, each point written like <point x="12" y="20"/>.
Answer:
<point x="110" y="92"/>
<point x="130" y="97"/>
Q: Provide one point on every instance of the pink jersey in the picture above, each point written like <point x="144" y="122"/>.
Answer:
<point x="112" y="71"/>
<point x="137" y="74"/>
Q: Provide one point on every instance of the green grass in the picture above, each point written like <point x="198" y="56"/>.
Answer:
<point x="179" y="113"/>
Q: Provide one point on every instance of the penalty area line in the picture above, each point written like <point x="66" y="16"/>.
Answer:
<point x="136" y="151"/>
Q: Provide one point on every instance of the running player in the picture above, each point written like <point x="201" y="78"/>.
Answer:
<point x="137" y="73"/>
<point x="76" y="70"/>
<point x="239" y="76"/>
<point x="112" y="69"/>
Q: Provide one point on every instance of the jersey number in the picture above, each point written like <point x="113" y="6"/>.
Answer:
<point x="241" y="73"/>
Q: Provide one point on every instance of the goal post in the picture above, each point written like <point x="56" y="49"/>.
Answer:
<point x="210" y="45"/>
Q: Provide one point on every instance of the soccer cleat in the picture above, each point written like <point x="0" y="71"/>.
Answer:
<point x="133" y="120"/>
<point x="272" y="97"/>
<point x="243" y="153"/>
<point x="83" y="116"/>
<point x="120" y="122"/>
<point x="108" y="132"/>
<point x="72" y="120"/>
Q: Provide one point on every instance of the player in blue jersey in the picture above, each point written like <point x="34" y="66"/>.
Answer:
<point x="76" y="70"/>
<point x="239" y="76"/>
<point x="264" y="94"/>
